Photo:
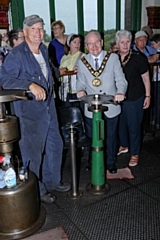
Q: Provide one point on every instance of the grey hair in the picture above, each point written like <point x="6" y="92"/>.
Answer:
<point x="123" y="33"/>
<point x="92" y="32"/>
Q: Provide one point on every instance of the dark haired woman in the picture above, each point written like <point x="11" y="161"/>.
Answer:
<point x="70" y="60"/>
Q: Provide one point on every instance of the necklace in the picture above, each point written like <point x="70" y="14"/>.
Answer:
<point x="128" y="58"/>
<point x="96" y="82"/>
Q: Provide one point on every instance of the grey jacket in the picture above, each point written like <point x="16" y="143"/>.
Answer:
<point x="113" y="81"/>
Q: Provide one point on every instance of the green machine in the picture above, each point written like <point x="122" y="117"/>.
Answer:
<point x="98" y="185"/>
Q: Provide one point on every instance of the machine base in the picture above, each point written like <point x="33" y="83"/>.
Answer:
<point x="27" y="232"/>
<point x="71" y="195"/>
<point x="97" y="190"/>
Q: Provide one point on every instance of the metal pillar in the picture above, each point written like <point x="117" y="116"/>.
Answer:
<point x="74" y="193"/>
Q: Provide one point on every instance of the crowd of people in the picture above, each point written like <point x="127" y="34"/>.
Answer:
<point x="122" y="72"/>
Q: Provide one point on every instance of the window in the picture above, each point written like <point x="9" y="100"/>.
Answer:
<point x="90" y="14"/>
<point x="66" y="11"/>
<point x="110" y="21"/>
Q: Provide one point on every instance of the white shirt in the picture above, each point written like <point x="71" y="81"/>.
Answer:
<point x="42" y="64"/>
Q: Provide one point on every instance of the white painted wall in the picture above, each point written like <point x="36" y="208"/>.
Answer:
<point x="144" y="18"/>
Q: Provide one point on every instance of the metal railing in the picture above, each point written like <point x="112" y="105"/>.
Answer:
<point x="65" y="85"/>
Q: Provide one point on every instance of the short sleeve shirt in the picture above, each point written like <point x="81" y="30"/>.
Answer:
<point x="133" y="69"/>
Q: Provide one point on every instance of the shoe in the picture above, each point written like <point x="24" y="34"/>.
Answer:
<point x="112" y="168"/>
<point x="63" y="187"/>
<point x="133" y="160"/>
<point x="48" y="198"/>
<point x="122" y="150"/>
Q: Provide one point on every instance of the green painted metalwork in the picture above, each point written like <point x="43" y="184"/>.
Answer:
<point x="138" y="10"/>
<point x="133" y="15"/>
<point x="52" y="10"/>
<point x="98" y="169"/>
<point x="100" y="15"/>
<point x="118" y="15"/>
<point x="17" y="9"/>
<point x="80" y="18"/>
<point x="136" y="6"/>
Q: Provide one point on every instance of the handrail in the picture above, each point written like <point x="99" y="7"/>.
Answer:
<point x="154" y="64"/>
<point x="68" y="73"/>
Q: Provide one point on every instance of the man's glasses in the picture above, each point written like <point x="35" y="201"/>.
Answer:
<point x="91" y="44"/>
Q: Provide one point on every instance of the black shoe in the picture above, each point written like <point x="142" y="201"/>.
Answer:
<point x="63" y="187"/>
<point x="48" y="198"/>
<point x="112" y="168"/>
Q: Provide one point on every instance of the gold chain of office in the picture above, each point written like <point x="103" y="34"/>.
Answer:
<point x="100" y="70"/>
<point x="96" y="82"/>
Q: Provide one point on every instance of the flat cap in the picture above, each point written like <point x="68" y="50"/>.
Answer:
<point x="140" y="34"/>
<point x="32" y="19"/>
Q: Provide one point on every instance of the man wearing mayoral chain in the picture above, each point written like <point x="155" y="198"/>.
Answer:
<point x="100" y="72"/>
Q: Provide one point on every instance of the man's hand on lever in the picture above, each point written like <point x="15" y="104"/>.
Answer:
<point x="38" y="92"/>
<point x="81" y="94"/>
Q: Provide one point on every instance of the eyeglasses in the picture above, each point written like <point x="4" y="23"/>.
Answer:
<point x="91" y="44"/>
<point x="56" y="28"/>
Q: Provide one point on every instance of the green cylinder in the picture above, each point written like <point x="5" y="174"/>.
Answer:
<point x="98" y="168"/>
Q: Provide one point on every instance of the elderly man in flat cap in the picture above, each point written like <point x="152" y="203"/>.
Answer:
<point x="27" y="68"/>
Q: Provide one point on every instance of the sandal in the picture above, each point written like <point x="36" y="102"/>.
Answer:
<point x="122" y="150"/>
<point x="133" y="160"/>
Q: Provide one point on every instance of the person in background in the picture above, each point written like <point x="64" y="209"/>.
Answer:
<point x="5" y="40"/>
<point x="27" y="67"/>
<point x="56" y="46"/>
<point x="15" y="37"/>
<point x="135" y="67"/>
<point x="155" y="43"/>
<point x="152" y="56"/>
<point x="149" y="31"/>
<point x="100" y="72"/>
<point x="113" y="46"/>
<point x="70" y="61"/>
<point x="56" y="51"/>
<point x="141" y="44"/>
<point x="4" y="47"/>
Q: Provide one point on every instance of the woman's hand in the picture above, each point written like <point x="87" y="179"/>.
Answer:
<point x="63" y="70"/>
<point x="75" y="69"/>
<point x="147" y="101"/>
